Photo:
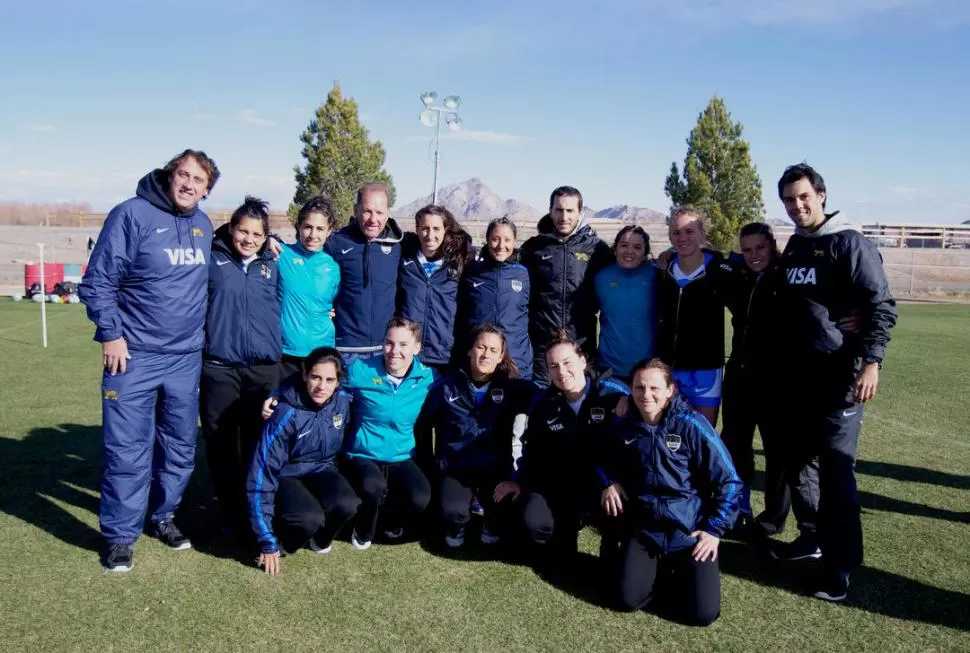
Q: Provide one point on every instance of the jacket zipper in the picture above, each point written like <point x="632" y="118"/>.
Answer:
<point x="673" y="353"/>
<point x="747" y="317"/>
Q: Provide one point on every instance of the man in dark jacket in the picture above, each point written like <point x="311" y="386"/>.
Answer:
<point x="562" y="260"/>
<point x="368" y="251"/>
<point x="145" y="289"/>
<point x="832" y="272"/>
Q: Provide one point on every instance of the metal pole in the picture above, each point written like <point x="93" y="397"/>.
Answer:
<point x="437" y="138"/>
<point x="43" y="293"/>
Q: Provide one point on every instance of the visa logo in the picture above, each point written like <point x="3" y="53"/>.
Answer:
<point x="801" y="276"/>
<point x="185" y="256"/>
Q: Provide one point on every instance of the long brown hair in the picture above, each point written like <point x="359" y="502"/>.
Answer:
<point x="506" y="365"/>
<point x="455" y="243"/>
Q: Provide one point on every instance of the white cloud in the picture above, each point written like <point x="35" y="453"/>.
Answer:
<point x="250" y="117"/>
<point x="42" y="128"/>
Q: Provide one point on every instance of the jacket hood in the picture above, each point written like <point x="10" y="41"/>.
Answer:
<point x="295" y="394"/>
<point x="546" y="227"/>
<point x="392" y="232"/>
<point x="833" y="224"/>
<point x="152" y="189"/>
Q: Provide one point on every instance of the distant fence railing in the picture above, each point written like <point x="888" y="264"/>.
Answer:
<point x="919" y="236"/>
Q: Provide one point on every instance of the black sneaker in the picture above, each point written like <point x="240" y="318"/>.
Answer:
<point x="169" y="533"/>
<point x="117" y="558"/>
<point x="834" y="586"/>
<point x="801" y="548"/>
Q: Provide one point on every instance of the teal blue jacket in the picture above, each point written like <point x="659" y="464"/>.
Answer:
<point x="308" y="283"/>
<point x="383" y="417"/>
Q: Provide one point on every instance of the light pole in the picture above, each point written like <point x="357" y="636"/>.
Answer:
<point x="431" y="117"/>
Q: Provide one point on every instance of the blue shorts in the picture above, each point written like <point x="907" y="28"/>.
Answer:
<point x="700" y="387"/>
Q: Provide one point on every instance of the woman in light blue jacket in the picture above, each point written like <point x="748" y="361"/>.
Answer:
<point x="627" y="295"/>
<point x="308" y="282"/>
<point x="388" y="392"/>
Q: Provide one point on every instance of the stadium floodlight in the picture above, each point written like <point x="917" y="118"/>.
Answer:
<point x="431" y="117"/>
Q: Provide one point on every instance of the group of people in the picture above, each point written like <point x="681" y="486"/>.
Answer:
<point x="366" y="376"/>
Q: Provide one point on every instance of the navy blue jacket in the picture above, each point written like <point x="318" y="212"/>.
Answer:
<point x="498" y="293"/>
<point x="470" y="435"/>
<point x="147" y="277"/>
<point x="368" y="285"/>
<point x="299" y="439"/>
<point x="560" y="449"/>
<point x="431" y="301"/>
<point x="677" y="475"/>
<point x="242" y="325"/>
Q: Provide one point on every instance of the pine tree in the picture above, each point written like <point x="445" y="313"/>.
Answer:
<point x="718" y="176"/>
<point x="338" y="157"/>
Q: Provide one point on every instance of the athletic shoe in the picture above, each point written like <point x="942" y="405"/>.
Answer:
<point x="834" y="586"/>
<point x="316" y="548"/>
<point x="360" y="545"/>
<point x="394" y="533"/>
<point x="489" y="537"/>
<point x="456" y="538"/>
<point x="475" y="507"/>
<point x="169" y="533"/>
<point x="117" y="558"/>
<point x="801" y="548"/>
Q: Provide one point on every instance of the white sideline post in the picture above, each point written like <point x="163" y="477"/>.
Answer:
<point x="43" y="292"/>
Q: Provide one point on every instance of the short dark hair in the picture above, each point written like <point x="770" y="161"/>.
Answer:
<point x="200" y="157"/>
<point x="404" y="323"/>
<point x="252" y="207"/>
<point x="801" y="171"/>
<point x="318" y="204"/>
<point x="324" y="355"/>
<point x="566" y="191"/>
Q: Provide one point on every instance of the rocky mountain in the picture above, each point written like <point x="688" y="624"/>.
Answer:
<point x="471" y="200"/>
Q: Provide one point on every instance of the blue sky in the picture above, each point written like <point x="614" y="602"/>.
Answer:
<point x="874" y="93"/>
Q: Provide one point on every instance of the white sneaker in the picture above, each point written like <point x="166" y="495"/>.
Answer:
<point x="316" y="548"/>
<point x="456" y="540"/>
<point x="359" y="545"/>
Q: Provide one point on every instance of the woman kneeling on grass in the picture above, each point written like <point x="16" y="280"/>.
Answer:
<point x="294" y="471"/>
<point x="671" y="490"/>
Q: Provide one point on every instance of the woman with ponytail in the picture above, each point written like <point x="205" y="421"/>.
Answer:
<point x="432" y="261"/>
<point x="242" y="352"/>
<point x="473" y="412"/>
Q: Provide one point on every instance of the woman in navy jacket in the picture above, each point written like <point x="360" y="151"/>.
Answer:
<point x="495" y="290"/>
<point x="296" y="495"/>
<point x="671" y="489"/>
<point x="473" y="412"/>
<point x="242" y="352"/>
<point x="432" y="262"/>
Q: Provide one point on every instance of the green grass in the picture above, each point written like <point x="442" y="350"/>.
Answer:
<point x="914" y="474"/>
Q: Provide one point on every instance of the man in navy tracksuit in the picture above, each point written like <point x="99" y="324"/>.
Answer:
<point x="145" y="289"/>
<point x="832" y="272"/>
<point x="563" y="259"/>
<point x="368" y="251"/>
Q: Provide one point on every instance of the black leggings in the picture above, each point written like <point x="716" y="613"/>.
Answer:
<point x="316" y="505"/>
<point x="455" y="491"/>
<point x="698" y="583"/>
<point x="401" y="489"/>
<point x="554" y="516"/>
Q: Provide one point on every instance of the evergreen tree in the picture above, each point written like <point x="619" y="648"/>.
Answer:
<point x="338" y="157"/>
<point x="718" y="177"/>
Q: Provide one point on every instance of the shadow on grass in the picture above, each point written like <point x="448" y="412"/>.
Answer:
<point x="872" y="501"/>
<point x="872" y="590"/>
<point x="898" y="472"/>
<point x="52" y="466"/>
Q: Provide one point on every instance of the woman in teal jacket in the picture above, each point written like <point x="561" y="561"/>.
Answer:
<point x="308" y="282"/>
<point x="388" y="392"/>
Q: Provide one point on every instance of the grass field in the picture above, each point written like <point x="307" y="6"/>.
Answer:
<point x="913" y="594"/>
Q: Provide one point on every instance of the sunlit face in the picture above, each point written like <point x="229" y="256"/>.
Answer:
<point x="803" y="204"/>
<point x="314" y="231"/>
<point x="188" y="184"/>
<point x="431" y="233"/>
<point x="567" y="369"/>
<point x="321" y="382"/>
<point x="501" y="242"/>
<point x="686" y="234"/>
<point x="485" y="354"/>
<point x="372" y="213"/>
<point x="400" y="348"/>
<point x="651" y="394"/>
<point x="565" y="213"/>
<point x="631" y="250"/>
<point x="757" y="252"/>
<point x="248" y="236"/>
